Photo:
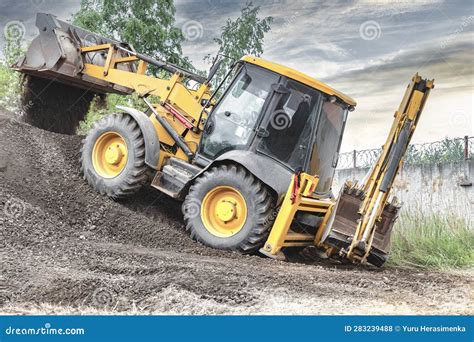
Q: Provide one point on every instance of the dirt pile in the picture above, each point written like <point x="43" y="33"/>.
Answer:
<point x="64" y="248"/>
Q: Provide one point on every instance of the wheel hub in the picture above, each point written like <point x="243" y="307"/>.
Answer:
<point x="110" y="154"/>
<point x="224" y="211"/>
<point x="114" y="154"/>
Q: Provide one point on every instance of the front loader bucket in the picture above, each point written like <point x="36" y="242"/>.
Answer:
<point x="55" y="54"/>
<point x="345" y="224"/>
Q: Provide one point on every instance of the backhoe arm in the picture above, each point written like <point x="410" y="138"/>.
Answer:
<point x="377" y="215"/>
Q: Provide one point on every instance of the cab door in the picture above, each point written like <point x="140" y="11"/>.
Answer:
<point x="289" y="126"/>
<point x="232" y="123"/>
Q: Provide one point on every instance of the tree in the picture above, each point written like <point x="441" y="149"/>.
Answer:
<point x="148" y="25"/>
<point x="239" y="37"/>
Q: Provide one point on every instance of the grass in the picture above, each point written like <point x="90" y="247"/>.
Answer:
<point x="9" y="88"/>
<point x="440" y="241"/>
<point x="100" y="108"/>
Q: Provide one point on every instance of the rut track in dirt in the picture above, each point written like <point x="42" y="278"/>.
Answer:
<point x="66" y="249"/>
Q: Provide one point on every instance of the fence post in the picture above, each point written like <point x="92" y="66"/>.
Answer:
<point x="466" y="147"/>
<point x="354" y="158"/>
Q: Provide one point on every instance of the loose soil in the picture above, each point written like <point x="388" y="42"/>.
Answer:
<point x="54" y="106"/>
<point x="66" y="249"/>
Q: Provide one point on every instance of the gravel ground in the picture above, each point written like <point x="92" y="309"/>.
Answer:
<point x="66" y="249"/>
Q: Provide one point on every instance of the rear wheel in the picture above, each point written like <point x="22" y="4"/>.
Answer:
<point x="113" y="156"/>
<point x="228" y="208"/>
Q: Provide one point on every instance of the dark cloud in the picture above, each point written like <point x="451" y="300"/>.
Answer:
<point x="25" y="11"/>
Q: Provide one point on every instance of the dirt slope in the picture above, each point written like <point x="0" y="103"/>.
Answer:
<point x="64" y="248"/>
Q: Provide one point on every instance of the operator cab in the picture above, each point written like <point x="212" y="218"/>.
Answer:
<point x="278" y="114"/>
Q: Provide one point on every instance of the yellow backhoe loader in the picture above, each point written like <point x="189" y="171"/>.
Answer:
<point x="254" y="166"/>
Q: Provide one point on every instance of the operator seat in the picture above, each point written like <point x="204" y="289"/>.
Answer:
<point x="282" y="142"/>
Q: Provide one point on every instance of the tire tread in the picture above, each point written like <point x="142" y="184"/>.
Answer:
<point x="136" y="176"/>
<point x="264" y="204"/>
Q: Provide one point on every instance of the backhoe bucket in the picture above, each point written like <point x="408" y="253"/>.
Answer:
<point x="345" y="224"/>
<point x="55" y="54"/>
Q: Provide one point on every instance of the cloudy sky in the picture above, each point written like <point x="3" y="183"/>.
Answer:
<point x="367" y="49"/>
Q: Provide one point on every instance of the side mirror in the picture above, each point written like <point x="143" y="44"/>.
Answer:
<point x="214" y="69"/>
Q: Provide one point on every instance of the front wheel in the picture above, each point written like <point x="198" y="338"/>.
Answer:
<point x="113" y="156"/>
<point x="228" y="208"/>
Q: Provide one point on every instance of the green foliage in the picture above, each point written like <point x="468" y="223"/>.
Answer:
<point x="239" y="37"/>
<point x="432" y="241"/>
<point x="101" y="106"/>
<point x="5" y="74"/>
<point x="12" y="50"/>
<point x="447" y="150"/>
<point x="444" y="151"/>
<point x="148" y="25"/>
<point x="10" y="81"/>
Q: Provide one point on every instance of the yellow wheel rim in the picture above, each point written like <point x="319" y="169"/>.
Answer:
<point x="224" y="211"/>
<point x="109" y="155"/>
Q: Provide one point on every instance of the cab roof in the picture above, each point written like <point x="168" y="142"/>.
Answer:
<point x="300" y="77"/>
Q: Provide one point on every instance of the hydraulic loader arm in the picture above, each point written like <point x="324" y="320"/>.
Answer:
<point x="66" y="53"/>
<point x="76" y="57"/>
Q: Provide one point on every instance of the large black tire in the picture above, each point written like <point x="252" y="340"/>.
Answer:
<point x="260" y="215"/>
<point x="135" y="172"/>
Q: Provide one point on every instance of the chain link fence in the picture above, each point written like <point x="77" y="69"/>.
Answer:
<point x="447" y="150"/>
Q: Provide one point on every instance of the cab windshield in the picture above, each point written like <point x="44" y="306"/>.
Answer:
<point x="232" y="123"/>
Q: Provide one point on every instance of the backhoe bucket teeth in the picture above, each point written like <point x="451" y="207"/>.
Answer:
<point x="55" y="54"/>
<point x="345" y="224"/>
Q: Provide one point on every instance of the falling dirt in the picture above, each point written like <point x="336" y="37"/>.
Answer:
<point x="65" y="249"/>
<point x="54" y="106"/>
